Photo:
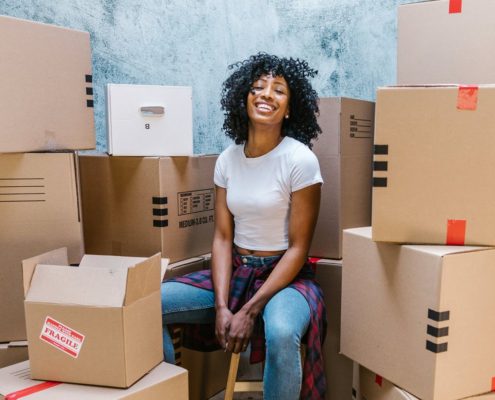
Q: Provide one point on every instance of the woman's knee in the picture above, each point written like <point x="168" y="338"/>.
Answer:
<point x="282" y="336"/>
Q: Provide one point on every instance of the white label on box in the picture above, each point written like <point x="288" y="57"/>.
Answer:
<point x="62" y="337"/>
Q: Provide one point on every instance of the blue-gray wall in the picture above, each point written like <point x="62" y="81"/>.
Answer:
<point x="190" y="42"/>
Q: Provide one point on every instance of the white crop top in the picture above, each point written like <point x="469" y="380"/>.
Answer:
<point x="259" y="190"/>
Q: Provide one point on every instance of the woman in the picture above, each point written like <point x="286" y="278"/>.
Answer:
<point x="261" y="288"/>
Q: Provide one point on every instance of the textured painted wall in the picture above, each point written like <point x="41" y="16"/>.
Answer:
<point x="190" y="42"/>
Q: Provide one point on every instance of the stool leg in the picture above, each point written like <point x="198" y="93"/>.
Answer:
<point x="234" y="365"/>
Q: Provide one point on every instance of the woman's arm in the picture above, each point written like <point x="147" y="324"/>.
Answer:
<point x="221" y="259"/>
<point x="304" y="210"/>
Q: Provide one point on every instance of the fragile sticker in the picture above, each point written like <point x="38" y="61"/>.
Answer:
<point x="62" y="337"/>
<point x="467" y="97"/>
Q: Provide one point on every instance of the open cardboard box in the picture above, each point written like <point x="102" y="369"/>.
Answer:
<point x="99" y="323"/>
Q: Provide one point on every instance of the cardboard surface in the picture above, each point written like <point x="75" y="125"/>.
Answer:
<point x="74" y="315"/>
<point x="187" y="266"/>
<point x="12" y="353"/>
<point x="420" y="316"/>
<point x="449" y="47"/>
<point x="44" y="101"/>
<point x="149" y="120"/>
<point x="438" y="166"/>
<point x="138" y="206"/>
<point x="338" y="368"/>
<point x="165" y="381"/>
<point x="344" y="151"/>
<point x="377" y="388"/>
<point x="39" y="210"/>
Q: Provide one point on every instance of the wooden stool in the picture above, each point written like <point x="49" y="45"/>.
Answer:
<point x="233" y="385"/>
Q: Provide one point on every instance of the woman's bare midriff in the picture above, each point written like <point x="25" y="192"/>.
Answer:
<point x="258" y="253"/>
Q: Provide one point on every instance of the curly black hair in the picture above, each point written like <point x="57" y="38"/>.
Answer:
<point x="302" y="124"/>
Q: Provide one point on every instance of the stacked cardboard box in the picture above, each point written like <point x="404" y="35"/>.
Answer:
<point x="136" y="206"/>
<point x="47" y="105"/>
<point x="165" y="381"/>
<point x="344" y="151"/>
<point x="375" y="387"/>
<point x="417" y="294"/>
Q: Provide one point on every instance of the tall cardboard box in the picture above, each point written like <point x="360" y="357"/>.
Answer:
<point x="137" y="206"/>
<point x="420" y="316"/>
<point x="446" y="41"/>
<point x="338" y="368"/>
<point x="344" y="151"/>
<point x="434" y="153"/>
<point x="13" y="353"/>
<point x="47" y="95"/>
<point x="375" y="387"/>
<point x="39" y="210"/>
<point x="97" y="324"/>
<point x="165" y="381"/>
<point x="149" y="120"/>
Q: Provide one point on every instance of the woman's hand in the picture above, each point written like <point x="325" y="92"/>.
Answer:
<point x="241" y="329"/>
<point x="222" y="325"/>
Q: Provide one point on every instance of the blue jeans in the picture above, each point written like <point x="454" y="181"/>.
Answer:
<point x="286" y="317"/>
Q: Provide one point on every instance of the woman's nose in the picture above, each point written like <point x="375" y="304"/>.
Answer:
<point x="267" y="92"/>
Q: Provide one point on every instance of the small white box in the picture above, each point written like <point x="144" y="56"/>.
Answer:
<point x="149" y="120"/>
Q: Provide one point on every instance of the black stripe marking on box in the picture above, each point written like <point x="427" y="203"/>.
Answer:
<point x="380" y="166"/>
<point x="159" y="200"/>
<point x="89" y="91"/>
<point x="379" y="182"/>
<point x="89" y="78"/>
<point x="436" y="348"/>
<point x="380" y="149"/>
<point x="438" y="316"/>
<point x="160" y="212"/>
<point x="160" y="224"/>
<point x="89" y="103"/>
<point x="437" y="332"/>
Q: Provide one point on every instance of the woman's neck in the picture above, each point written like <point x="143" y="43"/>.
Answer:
<point x="261" y="142"/>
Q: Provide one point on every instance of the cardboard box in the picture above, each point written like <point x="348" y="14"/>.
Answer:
<point x="187" y="266"/>
<point x="433" y="159"/>
<point x="98" y="324"/>
<point x="39" y="210"/>
<point x="208" y="372"/>
<point x="137" y="206"/>
<point x="375" y="387"/>
<point x="450" y="47"/>
<point x="338" y="368"/>
<point x="344" y="150"/>
<point x="12" y="353"/>
<point x="166" y="381"/>
<point x="149" y="120"/>
<point x="47" y="94"/>
<point x="420" y="316"/>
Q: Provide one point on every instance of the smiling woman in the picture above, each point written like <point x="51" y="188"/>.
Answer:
<point x="261" y="288"/>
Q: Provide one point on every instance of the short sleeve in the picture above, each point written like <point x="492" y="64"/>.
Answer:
<point x="305" y="169"/>
<point x="219" y="175"/>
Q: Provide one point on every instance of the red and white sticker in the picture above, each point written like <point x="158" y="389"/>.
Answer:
<point x="62" y="337"/>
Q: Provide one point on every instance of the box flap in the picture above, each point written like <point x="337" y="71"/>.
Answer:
<point x="98" y="287"/>
<point x="143" y="279"/>
<point x="55" y="257"/>
<point x="92" y="260"/>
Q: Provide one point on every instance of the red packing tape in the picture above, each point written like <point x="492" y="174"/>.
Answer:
<point x="30" y="390"/>
<point x="378" y="380"/>
<point x="455" y="6"/>
<point x="467" y="97"/>
<point x="313" y="260"/>
<point x="456" y="232"/>
<point x="493" y="384"/>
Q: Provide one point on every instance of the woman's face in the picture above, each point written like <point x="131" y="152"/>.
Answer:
<point x="268" y="100"/>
